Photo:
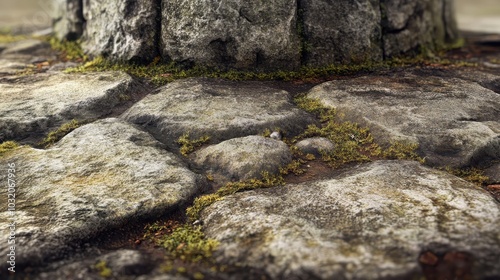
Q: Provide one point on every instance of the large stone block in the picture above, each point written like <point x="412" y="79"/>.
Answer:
<point x="236" y="34"/>
<point x="121" y="30"/>
<point x="341" y="31"/>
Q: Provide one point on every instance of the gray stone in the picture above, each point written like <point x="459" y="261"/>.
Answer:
<point x="244" y="158"/>
<point x="235" y="34"/>
<point x="493" y="173"/>
<point x="410" y="25"/>
<point x="315" y="146"/>
<point x="99" y="177"/>
<point x="36" y="104"/>
<point x="455" y="122"/>
<point x="124" y="30"/>
<point x="217" y="108"/>
<point x="68" y="19"/>
<point x="27" y="46"/>
<point x="341" y="31"/>
<point x="370" y="222"/>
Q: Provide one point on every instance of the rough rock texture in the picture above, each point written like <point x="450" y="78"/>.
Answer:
<point x="493" y="173"/>
<point x="100" y="176"/>
<point x="409" y="25"/>
<point x="216" y="108"/>
<point x="258" y="35"/>
<point x="125" y="264"/>
<point x="34" y="105"/>
<point x="455" y="122"/>
<point x="371" y="222"/>
<point x="123" y="30"/>
<point x="315" y="146"/>
<point x="239" y="34"/>
<point x="244" y="158"/>
<point x="15" y="57"/>
<point x="68" y="19"/>
<point x="341" y="31"/>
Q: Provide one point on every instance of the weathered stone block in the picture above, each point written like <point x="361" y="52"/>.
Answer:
<point x="237" y="34"/>
<point x="121" y="30"/>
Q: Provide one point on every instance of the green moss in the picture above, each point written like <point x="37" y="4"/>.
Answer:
<point x="104" y="270"/>
<point x="6" y="38"/>
<point x="188" y="243"/>
<point x="188" y="145"/>
<point x="473" y="175"/>
<point x="70" y="50"/>
<point x="267" y="181"/>
<point x="294" y="167"/>
<point x="8" y="146"/>
<point x="200" y="203"/>
<point x="161" y="73"/>
<point x="402" y="150"/>
<point x="56" y="135"/>
<point x="352" y="142"/>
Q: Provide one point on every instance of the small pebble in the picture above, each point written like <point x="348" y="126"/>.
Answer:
<point x="275" y="135"/>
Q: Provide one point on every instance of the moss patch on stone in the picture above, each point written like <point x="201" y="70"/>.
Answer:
<point x="6" y="38"/>
<point x="471" y="174"/>
<point x="103" y="269"/>
<point x="59" y="133"/>
<point x="266" y="181"/>
<point x="8" y="146"/>
<point x="188" y="243"/>
<point x="163" y="73"/>
<point x="70" y="50"/>
<point x="353" y="143"/>
<point x="188" y="145"/>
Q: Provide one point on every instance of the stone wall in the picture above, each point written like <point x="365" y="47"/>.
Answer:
<point x="257" y="35"/>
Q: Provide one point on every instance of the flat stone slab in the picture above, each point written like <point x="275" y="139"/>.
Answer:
<point x="244" y="158"/>
<point x="455" y="121"/>
<point x="99" y="177"/>
<point x="217" y="108"/>
<point x="36" y="104"/>
<point x="370" y="222"/>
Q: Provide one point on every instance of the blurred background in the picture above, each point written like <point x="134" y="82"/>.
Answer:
<point x="30" y="15"/>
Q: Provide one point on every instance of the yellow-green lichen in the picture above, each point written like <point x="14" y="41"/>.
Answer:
<point x="188" y="243"/>
<point x="267" y="181"/>
<point x="161" y="73"/>
<point x="70" y="50"/>
<point x="6" y="38"/>
<point x="103" y="269"/>
<point x="402" y="150"/>
<point x="353" y="143"/>
<point x="8" y="146"/>
<point x="188" y="145"/>
<point x="294" y="167"/>
<point x="56" y="135"/>
<point x="470" y="174"/>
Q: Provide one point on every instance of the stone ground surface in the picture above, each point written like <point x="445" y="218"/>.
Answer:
<point x="86" y="198"/>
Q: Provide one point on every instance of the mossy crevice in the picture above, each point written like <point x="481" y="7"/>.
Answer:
<point x="470" y="174"/>
<point x="188" y="145"/>
<point x="353" y="143"/>
<point x="7" y="147"/>
<point x="161" y="73"/>
<point x="58" y="134"/>
<point x="69" y="50"/>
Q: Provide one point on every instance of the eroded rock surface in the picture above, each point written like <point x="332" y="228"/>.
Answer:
<point x="99" y="177"/>
<point x="244" y="158"/>
<point x="371" y="222"/>
<point x="216" y="108"/>
<point x="456" y="122"/>
<point x="124" y="30"/>
<point x="235" y="34"/>
<point x="34" y="105"/>
<point x="263" y="35"/>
